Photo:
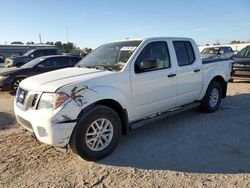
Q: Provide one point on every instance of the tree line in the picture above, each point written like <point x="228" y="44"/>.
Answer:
<point x="231" y="42"/>
<point x="65" y="47"/>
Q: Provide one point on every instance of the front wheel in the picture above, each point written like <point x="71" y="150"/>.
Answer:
<point x="96" y="134"/>
<point x="212" y="98"/>
<point x="15" y="84"/>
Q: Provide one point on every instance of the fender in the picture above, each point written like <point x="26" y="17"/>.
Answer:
<point x="209" y="76"/>
<point x="85" y="95"/>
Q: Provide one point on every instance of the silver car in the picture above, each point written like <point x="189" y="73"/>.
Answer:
<point x="223" y="52"/>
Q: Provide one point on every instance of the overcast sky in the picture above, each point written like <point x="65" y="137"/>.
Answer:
<point x="91" y="23"/>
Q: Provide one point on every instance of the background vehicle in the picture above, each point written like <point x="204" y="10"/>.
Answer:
<point x="118" y="87"/>
<point x="32" y="54"/>
<point x="217" y="52"/>
<point x="11" y="77"/>
<point x="241" y="65"/>
<point x="1" y="58"/>
<point x="10" y="50"/>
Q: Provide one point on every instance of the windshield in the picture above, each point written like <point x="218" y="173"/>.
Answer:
<point x="112" y="56"/>
<point x="210" y="51"/>
<point x="32" y="63"/>
<point x="245" y="52"/>
<point x="29" y="53"/>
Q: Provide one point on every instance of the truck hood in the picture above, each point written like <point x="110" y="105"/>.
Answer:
<point x="51" y="81"/>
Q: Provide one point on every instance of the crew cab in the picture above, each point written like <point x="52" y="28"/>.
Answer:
<point x="118" y="87"/>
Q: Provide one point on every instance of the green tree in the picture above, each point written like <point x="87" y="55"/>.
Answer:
<point x="16" y="42"/>
<point x="59" y="45"/>
<point x="30" y="43"/>
<point x="49" y="43"/>
<point x="68" y="47"/>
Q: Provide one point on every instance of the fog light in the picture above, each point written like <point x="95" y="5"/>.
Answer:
<point x="42" y="132"/>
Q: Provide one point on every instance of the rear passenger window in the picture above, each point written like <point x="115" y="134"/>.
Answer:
<point x="184" y="52"/>
<point x="39" y="53"/>
<point x="51" y="52"/>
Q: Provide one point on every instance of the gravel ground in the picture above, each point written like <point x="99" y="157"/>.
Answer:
<point x="191" y="149"/>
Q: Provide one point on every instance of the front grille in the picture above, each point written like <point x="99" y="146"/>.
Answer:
<point x="21" y="95"/>
<point x="26" y="124"/>
<point x="26" y="100"/>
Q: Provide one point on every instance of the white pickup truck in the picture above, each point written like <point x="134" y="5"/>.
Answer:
<point x="119" y="86"/>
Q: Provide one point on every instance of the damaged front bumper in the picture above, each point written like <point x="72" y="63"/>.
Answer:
<point x="53" y="127"/>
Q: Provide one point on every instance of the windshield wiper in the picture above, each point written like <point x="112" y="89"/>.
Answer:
<point x="103" y="67"/>
<point x="99" y="67"/>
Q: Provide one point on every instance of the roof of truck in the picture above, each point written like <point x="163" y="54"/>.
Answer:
<point x="153" y="38"/>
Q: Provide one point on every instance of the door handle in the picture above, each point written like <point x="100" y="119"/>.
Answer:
<point x="171" y="75"/>
<point x="197" y="70"/>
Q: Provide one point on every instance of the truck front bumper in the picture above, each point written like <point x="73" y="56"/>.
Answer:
<point x="48" y="128"/>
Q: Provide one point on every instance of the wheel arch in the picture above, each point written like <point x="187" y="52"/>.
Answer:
<point x="16" y="78"/>
<point x="223" y="84"/>
<point x="214" y="77"/>
<point x="116" y="106"/>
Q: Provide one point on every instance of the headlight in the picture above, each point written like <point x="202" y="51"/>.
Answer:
<point x="52" y="100"/>
<point x="3" y="77"/>
<point x="9" y="60"/>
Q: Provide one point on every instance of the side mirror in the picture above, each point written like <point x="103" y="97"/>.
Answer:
<point x="148" y="64"/>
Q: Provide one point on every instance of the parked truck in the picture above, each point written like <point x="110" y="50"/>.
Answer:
<point x="118" y="87"/>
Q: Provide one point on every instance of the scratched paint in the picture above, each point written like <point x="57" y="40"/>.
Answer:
<point x="79" y="98"/>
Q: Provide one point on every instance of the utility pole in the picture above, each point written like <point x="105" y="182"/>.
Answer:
<point x="40" y="38"/>
<point x="67" y="34"/>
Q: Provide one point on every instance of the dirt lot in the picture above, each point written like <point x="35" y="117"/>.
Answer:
<point x="190" y="149"/>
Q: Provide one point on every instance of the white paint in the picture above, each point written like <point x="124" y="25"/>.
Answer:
<point x="140" y="94"/>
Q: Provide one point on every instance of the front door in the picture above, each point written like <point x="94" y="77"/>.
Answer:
<point x="153" y="81"/>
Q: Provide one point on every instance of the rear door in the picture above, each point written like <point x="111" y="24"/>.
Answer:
<point x="153" y="89"/>
<point x="189" y="72"/>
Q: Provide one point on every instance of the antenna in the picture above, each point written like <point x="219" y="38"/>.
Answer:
<point x="40" y="38"/>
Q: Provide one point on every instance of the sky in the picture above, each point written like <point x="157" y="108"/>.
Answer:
<point x="92" y="23"/>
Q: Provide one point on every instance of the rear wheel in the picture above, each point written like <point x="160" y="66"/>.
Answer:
<point x="96" y="134"/>
<point x="212" y="98"/>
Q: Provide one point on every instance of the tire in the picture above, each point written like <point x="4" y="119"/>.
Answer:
<point x="93" y="150"/>
<point x="212" y="98"/>
<point x="15" y="84"/>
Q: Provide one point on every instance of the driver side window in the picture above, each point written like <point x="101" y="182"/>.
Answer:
<point x="154" y="56"/>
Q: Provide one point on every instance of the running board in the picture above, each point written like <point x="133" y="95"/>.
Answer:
<point x="163" y="115"/>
